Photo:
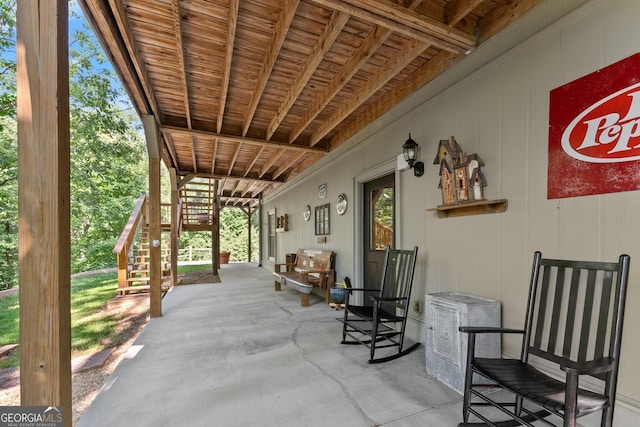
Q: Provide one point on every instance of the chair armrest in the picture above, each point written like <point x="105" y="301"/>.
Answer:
<point x="361" y="290"/>
<point x="591" y="367"/>
<point x="277" y="267"/>
<point x="384" y="299"/>
<point x="316" y="271"/>
<point x="489" y="330"/>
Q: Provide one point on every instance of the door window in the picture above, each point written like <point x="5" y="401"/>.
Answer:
<point x="382" y="215"/>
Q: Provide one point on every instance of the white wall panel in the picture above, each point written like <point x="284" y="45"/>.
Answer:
<point x="500" y="111"/>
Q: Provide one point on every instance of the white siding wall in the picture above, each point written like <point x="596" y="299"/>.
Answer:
<point x="501" y="112"/>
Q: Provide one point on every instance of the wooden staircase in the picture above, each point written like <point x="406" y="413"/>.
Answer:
<point x="138" y="273"/>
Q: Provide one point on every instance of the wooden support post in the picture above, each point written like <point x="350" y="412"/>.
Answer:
<point x="174" y="226"/>
<point x="43" y="203"/>
<point x="123" y="266"/>
<point x="260" y="236"/>
<point x="155" y="252"/>
<point x="249" y="235"/>
<point x="215" y="233"/>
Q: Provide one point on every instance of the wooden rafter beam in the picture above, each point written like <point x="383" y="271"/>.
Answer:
<point x="370" y="45"/>
<point x="359" y="58"/>
<point x="332" y="30"/>
<point x="292" y="161"/>
<point x="279" y="34"/>
<point x="120" y="16"/>
<point x="233" y="159"/>
<point x="244" y="178"/>
<point x="169" y="130"/>
<point x="248" y="189"/>
<point x="271" y="161"/>
<point x="235" y="186"/>
<point x="259" y="151"/>
<point x="456" y="10"/>
<point x="402" y="58"/>
<point x="490" y="25"/>
<point x="406" y="22"/>
<point x="502" y="16"/>
<point x="214" y="150"/>
<point x="194" y="150"/>
<point x="182" y="182"/>
<point x="177" y="19"/>
<point x="98" y="14"/>
<point x="226" y="66"/>
<point x="438" y="64"/>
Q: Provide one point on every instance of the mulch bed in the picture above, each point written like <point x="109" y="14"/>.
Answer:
<point x="202" y="276"/>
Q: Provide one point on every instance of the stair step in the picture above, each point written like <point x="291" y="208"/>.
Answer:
<point x="140" y="288"/>
<point x="138" y="279"/>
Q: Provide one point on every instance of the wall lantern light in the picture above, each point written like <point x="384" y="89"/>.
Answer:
<point x="410" y="151"/>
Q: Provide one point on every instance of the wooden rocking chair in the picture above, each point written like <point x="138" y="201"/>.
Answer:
<point x="573" y="323"/>
<point x="382" y="324"/>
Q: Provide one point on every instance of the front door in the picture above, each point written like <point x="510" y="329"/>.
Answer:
<point x="379" y="226"/>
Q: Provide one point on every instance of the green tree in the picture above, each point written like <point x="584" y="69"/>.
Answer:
<point x="234" y="233"/>
<point x="8" y="148"/>
<point x="108" y="159"/>
<point x="8" y="204"/>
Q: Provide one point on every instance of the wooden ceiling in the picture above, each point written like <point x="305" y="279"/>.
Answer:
<point x="253" y="92"/>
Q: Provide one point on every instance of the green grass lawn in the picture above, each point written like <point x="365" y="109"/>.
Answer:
<point x="91" y="329"/>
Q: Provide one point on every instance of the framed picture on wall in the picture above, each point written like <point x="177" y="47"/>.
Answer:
<point x="322" y="219"/>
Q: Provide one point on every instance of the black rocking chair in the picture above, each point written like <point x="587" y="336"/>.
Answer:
<point x="382" y="324"/>
<point x="574" y="322"/>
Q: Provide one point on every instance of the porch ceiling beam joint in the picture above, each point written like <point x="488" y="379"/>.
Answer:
<point x="168" y="130"/>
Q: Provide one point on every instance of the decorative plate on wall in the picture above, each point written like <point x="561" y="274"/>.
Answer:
<point x="341" y="204"/>
<point x="322" y="191"/>
<point x="306" y="212"/>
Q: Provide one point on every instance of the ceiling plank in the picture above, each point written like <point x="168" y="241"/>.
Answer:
<point x="292" y="161"/>
<point x="401" y="59"/>
<point x="438" y="64"/>
<point x="120" y="17"/>
<point x="98" y="14"/>
<point x="226" y="66"/>
<point x="280" y="33"/>
<point x="324" y="43"/>
<point x="371" y="43"/>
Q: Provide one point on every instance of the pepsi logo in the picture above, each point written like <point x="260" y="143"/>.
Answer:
<point x="607" y="131"/>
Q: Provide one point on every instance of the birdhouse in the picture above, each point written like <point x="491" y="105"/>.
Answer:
<point x="461" y="177"/>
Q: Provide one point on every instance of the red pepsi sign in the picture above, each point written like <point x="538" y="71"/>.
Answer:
<point x="594" y="133"/>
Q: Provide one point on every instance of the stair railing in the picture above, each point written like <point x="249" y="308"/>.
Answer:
<point x="126" y="238"/>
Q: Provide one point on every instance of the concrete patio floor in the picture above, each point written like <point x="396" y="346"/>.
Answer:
<point x="237" y="353"/>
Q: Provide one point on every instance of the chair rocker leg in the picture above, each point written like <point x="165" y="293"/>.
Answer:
<point x="508" y="423"/>
<point x="395" y="356"/>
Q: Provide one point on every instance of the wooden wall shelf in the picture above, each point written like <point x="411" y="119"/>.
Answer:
<point x="473" y="208"/>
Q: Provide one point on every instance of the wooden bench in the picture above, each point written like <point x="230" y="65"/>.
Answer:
<point x="313" y="268"/>
<point x="568" y="365"/>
